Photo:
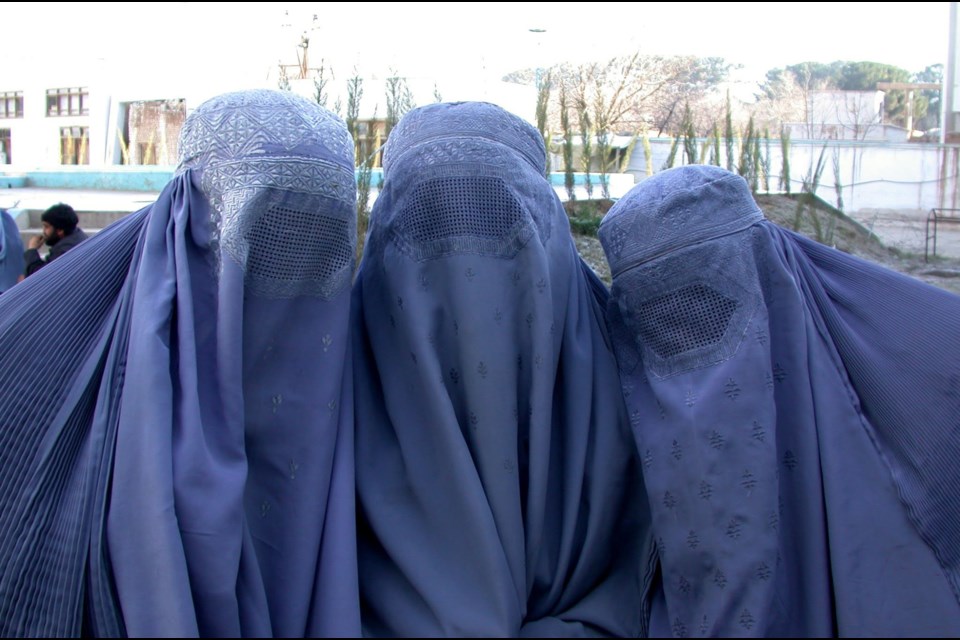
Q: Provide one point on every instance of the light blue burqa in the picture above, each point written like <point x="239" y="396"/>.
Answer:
<point x="498" y="484"/>
<point x="11" y="251"/>
<point x="797" y="413"/>
<point x="178" y="456"/>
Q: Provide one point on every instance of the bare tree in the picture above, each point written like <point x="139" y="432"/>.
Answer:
<point x="856" y="114"/>
<point x="602" y="127"/>
<point x="543" y="107"/>
<point x="638" y="92"/>
<point x="787" y="97"/>
<point x="354" y="95"/>
<point x="582" y="105"/>
<point x="694" y="83"/>
<point x="362" y="161"/>
<point x="399" y="100"/>
<point x="283" y="82"/>
<point x="321" y="79"/>
<point x="783" y="100"/>
<point x="689" y="136"/>
<point x="568" y="178"/>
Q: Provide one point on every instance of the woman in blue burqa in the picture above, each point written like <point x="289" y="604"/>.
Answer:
<point x="177" y="455"/>
<point x="797" y="412"/>
<point x="11" y="251"/>
<point x="497" y="482"/>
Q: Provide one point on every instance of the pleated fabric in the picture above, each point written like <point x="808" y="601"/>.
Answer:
<point x="178" y="458"/>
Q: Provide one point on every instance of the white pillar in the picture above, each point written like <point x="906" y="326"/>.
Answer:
<point x="948" y="113"/>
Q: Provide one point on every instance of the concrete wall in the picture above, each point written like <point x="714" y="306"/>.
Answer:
<point x="889" y="188"/>
<point x="140" y="178"/>
<point x="126" y="178"/>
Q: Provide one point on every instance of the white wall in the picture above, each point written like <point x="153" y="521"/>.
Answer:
<point x="890" y="188"/>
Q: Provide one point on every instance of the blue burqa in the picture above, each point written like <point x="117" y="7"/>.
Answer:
<point x="797" y="413"/>
<point x="11" y="251"/>
<point x="498" y="484"/>
<point x="177" y="455"/>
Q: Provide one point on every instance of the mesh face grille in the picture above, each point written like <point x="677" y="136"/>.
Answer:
<point x="689" y="318"/>
<point x="306" y="247"/>
<point x="464" y="206"/>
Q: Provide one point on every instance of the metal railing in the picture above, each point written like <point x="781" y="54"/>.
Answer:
<point x="936" y="217"/>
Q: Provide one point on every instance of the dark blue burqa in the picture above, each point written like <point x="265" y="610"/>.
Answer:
<point x="498" y="484"/>
<point x="11" y="251"/>
<point x="176" y="413"/>
<point x="797" y="411"/>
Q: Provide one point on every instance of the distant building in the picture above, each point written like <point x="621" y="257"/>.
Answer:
<point x="94" y="116"/>
<point x="845" y="115"/>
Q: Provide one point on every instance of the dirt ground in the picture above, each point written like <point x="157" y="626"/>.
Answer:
<point x="825" y="225"/>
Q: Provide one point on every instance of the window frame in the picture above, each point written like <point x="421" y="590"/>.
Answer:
<point x="68" y="101"/>
<point x="6" y="97"/>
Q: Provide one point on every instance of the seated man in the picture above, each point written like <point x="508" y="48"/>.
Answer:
<point x="60" y="233"/>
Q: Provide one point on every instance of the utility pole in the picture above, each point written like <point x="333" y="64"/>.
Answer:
<point x="539" y="72"/>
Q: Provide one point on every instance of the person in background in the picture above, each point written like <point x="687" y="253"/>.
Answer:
<point x="177" y="418"/>
<point x="11" y="251"/>
<point x="499" y="488"/>
<point x="60" y="233"/>
<point x="797" y="415"/>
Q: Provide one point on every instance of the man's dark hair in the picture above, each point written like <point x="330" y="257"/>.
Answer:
<point x="61" y="216"/>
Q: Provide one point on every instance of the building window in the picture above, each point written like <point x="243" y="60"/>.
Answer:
<point x="152" y="131"/>
<point x="68" y="102"/>
<point x="147" y="152"/>
<point x="5" y="153"/>
<point x="11" y="104"/>
<point x="74" y="145"/>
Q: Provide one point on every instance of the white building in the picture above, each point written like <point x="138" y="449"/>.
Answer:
<point x="105" y="109"/>
<point x="845" y="115"/>
<point x="101" y="119"/>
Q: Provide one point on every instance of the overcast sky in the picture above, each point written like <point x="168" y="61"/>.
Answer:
<point x="247" y="40"/>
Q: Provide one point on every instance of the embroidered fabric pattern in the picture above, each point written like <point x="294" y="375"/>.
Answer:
<point x="263" y="158"/>
<point x="289" y="259"/>
<point x="454" y="172"/>
<point x="683" y="322"/>
<point x="288" y="247"/>
<point x="239" y="125"/>
<point x="629" y="241"/>
<point x="709" y="312"/>
<point x="462" y="214"/>
<point x="456" y="150"/>
<point x="475" y="119"/>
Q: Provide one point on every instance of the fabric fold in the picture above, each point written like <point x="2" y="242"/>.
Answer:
<point x="191" y="463"/>
<point x="499" y="491"/>
<point x="794" y="414"/>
